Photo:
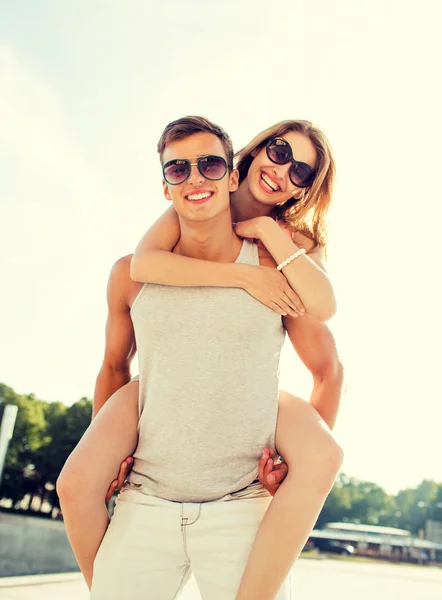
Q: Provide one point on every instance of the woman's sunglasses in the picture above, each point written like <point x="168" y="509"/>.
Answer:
<point x="177" y="171"/>
<point x="280" y="152"/>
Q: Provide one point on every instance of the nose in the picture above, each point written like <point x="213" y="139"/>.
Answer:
<point x="195" y="176"/>
<point x="281" y="171"/>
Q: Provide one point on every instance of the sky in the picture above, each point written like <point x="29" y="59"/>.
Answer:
<point x="86" y="89"/>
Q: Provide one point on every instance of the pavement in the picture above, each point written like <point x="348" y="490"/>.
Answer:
<point x="313" y="579"/>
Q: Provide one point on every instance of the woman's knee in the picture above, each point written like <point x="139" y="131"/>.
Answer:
<point x="67" y="485"/>
<point x="334" y="455"/>
<point x="74" y="481"/>
<point x="305" y="439"/>
<point x="325" y="463"/>
<point x="318" y="471"/>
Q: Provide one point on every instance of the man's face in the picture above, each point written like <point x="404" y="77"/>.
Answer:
<point x="198" y="198"/>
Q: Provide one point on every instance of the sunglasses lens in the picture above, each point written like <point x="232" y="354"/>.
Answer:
<point x="176" y="171"/>
<point x="301" y="174"/>
<point x="279" y="152"/>
<point x="212" y="167"/>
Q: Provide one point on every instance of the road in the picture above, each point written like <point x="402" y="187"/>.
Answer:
<point x="313" y="579"/>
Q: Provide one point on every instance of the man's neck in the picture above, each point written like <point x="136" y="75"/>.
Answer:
<point x="212" y="240"/>
<point x="244" y="206"/>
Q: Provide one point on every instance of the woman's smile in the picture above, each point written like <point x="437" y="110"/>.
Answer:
<point x="268" y="184"/>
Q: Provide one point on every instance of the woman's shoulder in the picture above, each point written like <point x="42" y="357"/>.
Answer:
<point x="303" y="240"/>
<point x="300" y="238"/>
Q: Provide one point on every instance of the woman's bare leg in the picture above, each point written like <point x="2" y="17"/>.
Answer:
<point x="314" y="459"/>
<point x="82" y="485"/>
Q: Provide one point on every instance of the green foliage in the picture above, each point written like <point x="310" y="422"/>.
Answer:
<point x="45" y="434"/>
<point x="357" y="501"/>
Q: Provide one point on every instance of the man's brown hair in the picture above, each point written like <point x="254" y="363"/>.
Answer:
<point x="187" y="126"/>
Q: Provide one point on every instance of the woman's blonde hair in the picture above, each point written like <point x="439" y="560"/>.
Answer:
<point x="307" y="214"/>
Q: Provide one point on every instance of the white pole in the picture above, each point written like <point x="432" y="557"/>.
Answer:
<point x="6" y="430"/>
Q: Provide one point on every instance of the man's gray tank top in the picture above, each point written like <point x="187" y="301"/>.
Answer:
<point x="209" y="365"/>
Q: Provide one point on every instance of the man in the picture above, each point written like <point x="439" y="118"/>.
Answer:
<point x="208" y="398"/>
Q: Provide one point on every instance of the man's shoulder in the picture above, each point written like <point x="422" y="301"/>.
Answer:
<point x="120" y="280"/>
<point x="121" y="267"/>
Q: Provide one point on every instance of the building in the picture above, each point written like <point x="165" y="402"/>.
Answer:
<point x="381" y="542"/>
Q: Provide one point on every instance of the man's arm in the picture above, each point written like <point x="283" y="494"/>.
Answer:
<point x="120" y="338"/>
<point x="316" y="347"/>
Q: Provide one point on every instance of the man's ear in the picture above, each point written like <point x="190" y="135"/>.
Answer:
<point x="234" y="180"/>
<point x="166" y="190"/>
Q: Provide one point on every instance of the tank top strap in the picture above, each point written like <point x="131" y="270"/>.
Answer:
<point x="249" y="254"/>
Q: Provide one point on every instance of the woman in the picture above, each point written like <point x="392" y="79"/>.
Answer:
<point x="273" y="185"/>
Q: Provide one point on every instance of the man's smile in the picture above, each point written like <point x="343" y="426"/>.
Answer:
<point x="199" y="197"/>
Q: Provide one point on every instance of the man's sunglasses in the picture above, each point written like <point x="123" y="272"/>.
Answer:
<point x="211" y="167"/>
<point x="280" y="152"/>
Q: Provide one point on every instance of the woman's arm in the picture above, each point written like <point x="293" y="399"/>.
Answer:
<point x="306" y="274"/>
<point x="151" y="255"/>
<point x="154" y="262"/>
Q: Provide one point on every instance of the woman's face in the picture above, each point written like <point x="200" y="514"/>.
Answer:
<point x="270" y="183"/>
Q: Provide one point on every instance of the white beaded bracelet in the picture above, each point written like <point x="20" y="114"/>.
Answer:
<point x="288" y="260"/>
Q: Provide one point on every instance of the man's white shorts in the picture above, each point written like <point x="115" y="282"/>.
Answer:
<point x="153" y="546"/>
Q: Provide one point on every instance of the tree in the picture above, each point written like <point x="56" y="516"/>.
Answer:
<point x="366" y="502"/>
<point x="44" y="436"/>
<point x="338" y="503"/>
<point x="435" y="508"/>
<point x="27" y="439"/>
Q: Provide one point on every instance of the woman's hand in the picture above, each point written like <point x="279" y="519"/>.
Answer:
<point x="271" y="288"/>
<point x="253" y="228"/>
<point x="270" y="475"/>
<point x="260" y="228"/>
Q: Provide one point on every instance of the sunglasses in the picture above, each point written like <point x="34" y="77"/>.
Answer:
<point x="210" y="167"/>
<point x="280" y="152"/>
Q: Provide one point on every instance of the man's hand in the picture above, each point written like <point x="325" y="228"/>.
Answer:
<point x="118" y="483"/>
<point x="270" y="475"/>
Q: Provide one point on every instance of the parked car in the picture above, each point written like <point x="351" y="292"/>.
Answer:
<point x="422" y="557"/>
<point x="324" y="545"/>
<point x="309" y="545"/>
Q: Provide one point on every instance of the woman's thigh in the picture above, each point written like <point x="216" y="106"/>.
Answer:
<point x="302" y="436"/>
<point x="109" y="439"/>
